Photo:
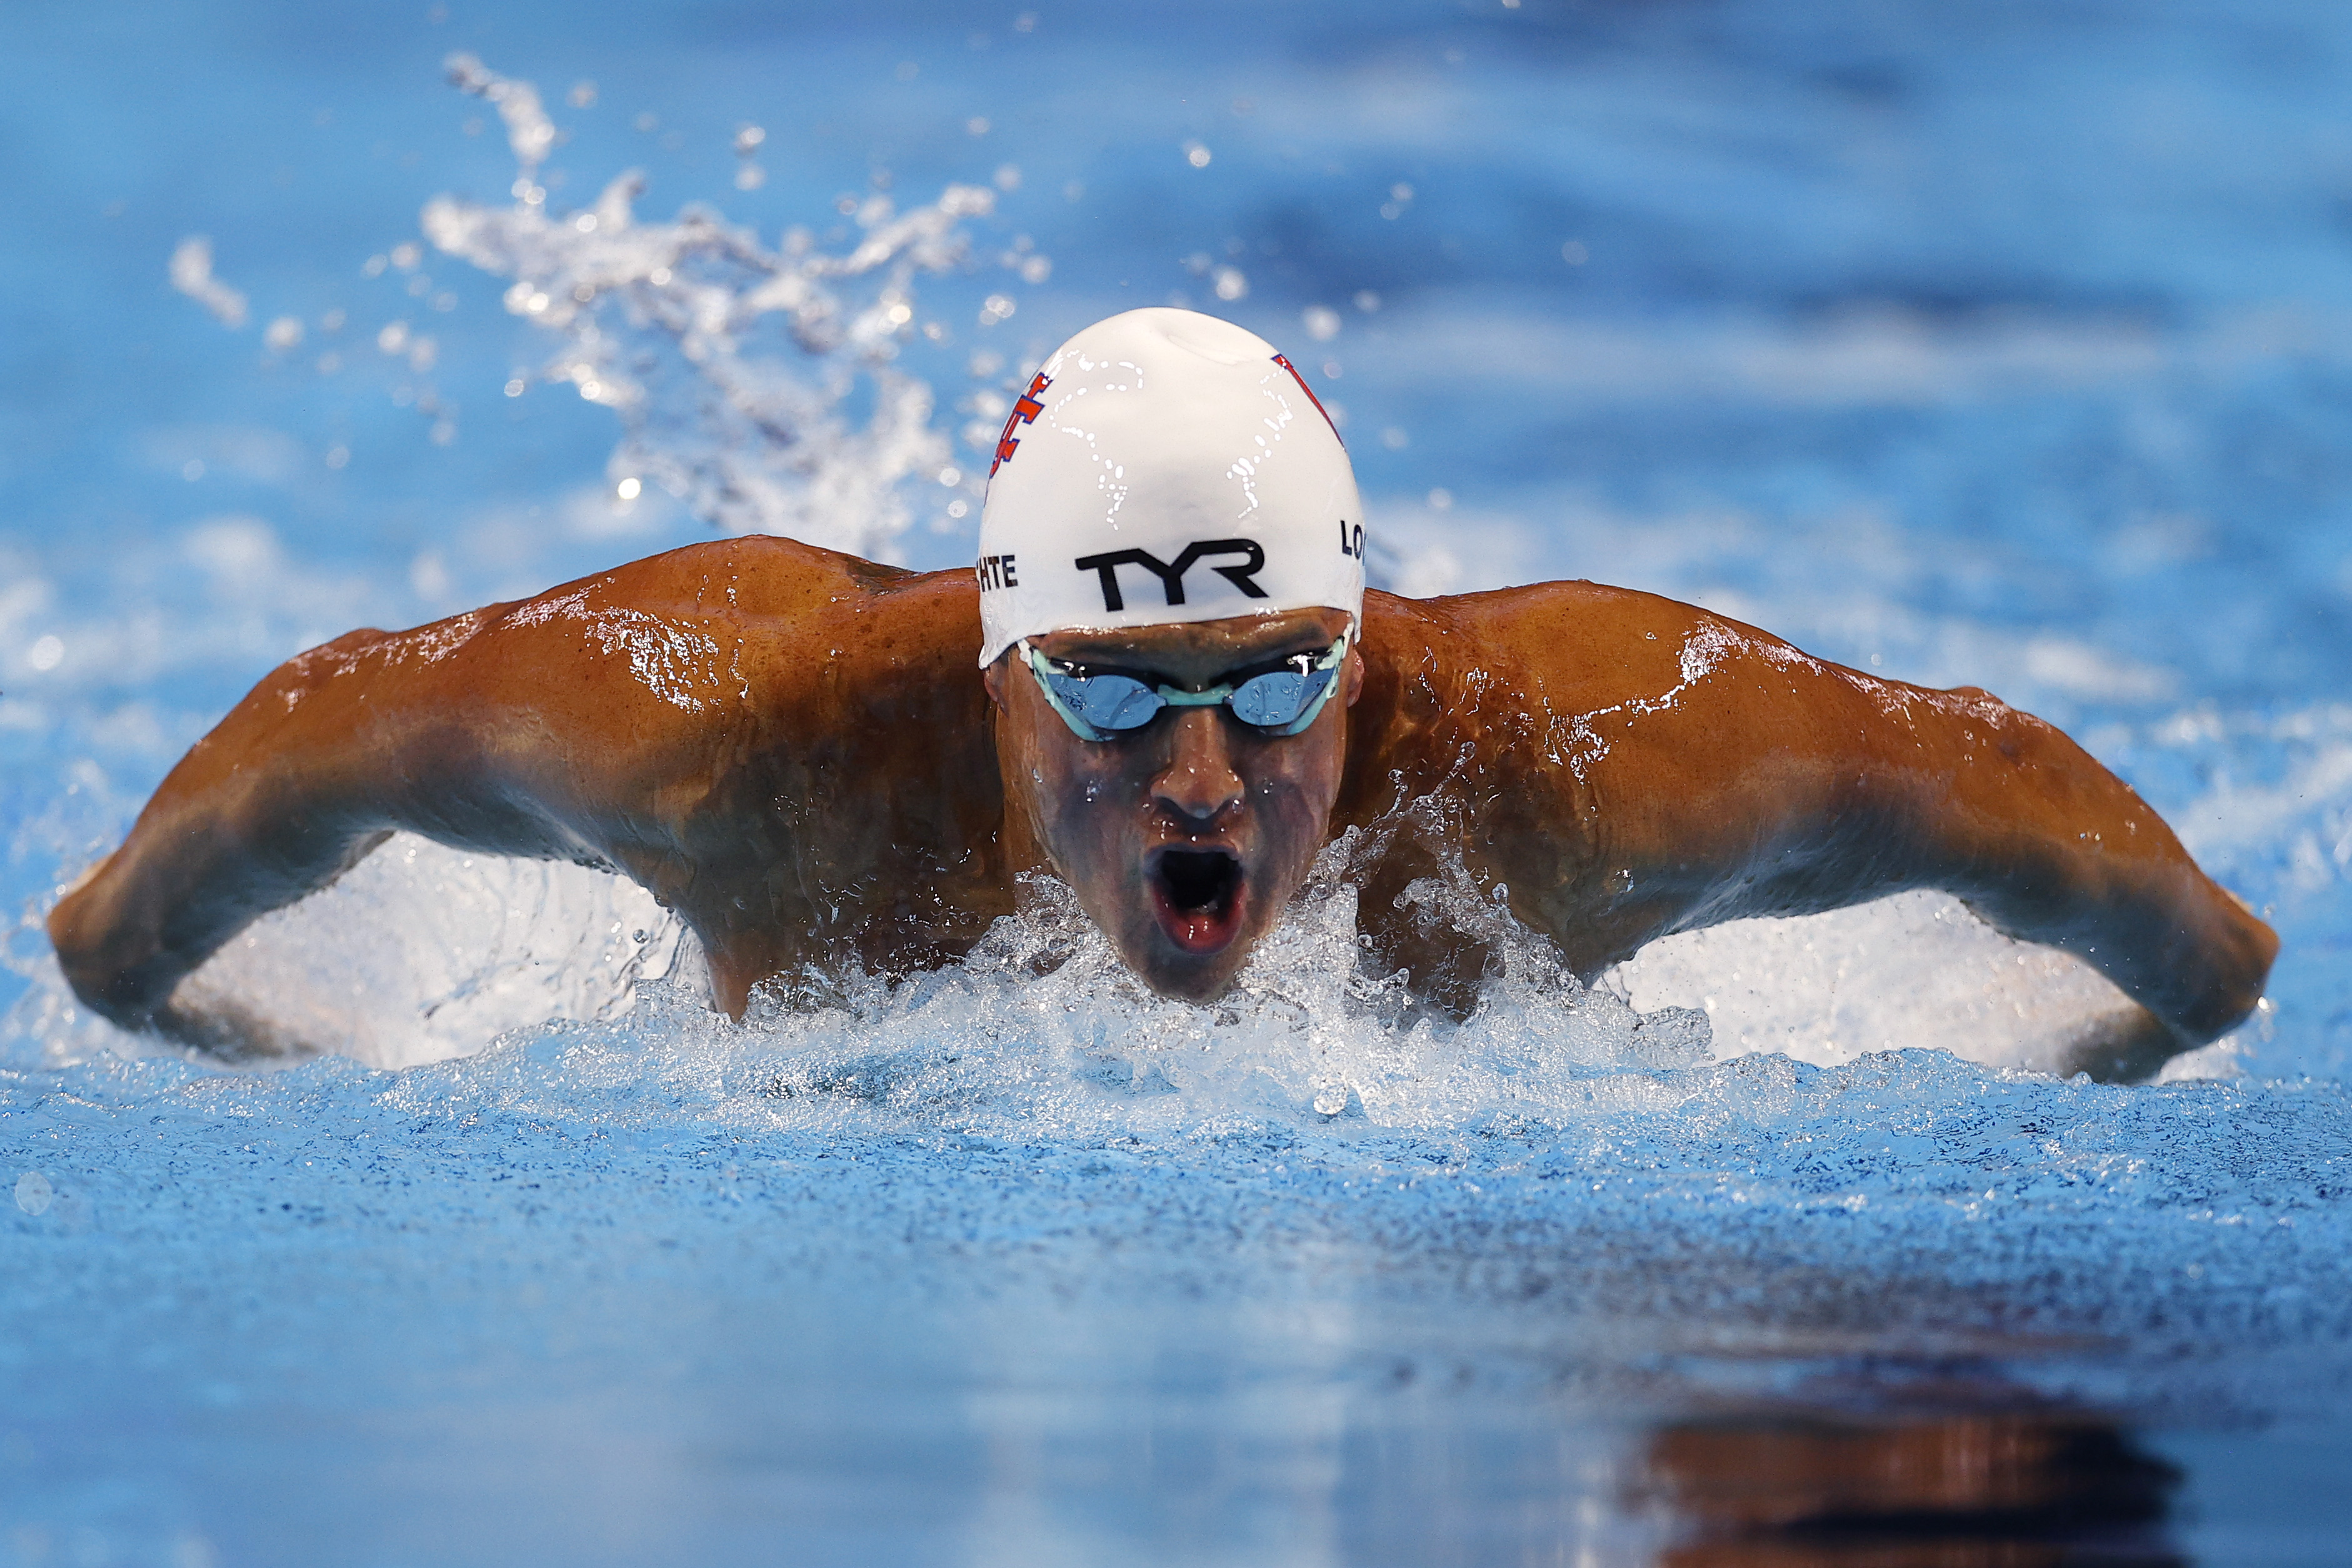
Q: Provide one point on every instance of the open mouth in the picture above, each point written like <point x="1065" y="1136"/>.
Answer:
<point x="1197" y="896"/>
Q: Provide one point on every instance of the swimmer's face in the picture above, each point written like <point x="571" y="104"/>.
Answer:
<point x="1184" y="840"/>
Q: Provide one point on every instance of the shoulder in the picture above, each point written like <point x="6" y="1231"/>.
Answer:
<point x="1549" y="615"/>
<point x="1566" y="639"/>
<point x="757" y="575"/>
<point x="753" y="590"/>
<point x="1548" y="669"/>
<point x="684" y="636"/>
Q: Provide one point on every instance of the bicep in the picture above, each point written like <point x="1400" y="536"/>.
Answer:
<point x="1764" y="782"/>
<point x="1788" y="784"/>
<point x="316" y="766"/>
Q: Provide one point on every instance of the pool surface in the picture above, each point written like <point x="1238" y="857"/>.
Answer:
<point x="2007" y="346"/>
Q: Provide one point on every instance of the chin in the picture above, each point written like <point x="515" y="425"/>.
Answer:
<point x="1186" y="979"/>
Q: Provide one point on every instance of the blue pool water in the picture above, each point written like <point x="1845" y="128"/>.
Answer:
<point x="2004" y="345"/>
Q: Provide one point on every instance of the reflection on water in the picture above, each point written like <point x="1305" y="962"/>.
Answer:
<point x="2015" y="1491"/>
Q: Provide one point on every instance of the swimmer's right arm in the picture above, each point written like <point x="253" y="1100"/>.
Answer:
<point x="580" y="725"/>
<point x="693" y="720"/>
<point x="321" y="762"/>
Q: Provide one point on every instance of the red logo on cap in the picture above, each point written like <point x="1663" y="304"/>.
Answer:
<point x="1025" y="411"/>
<point x="1317" y="401"/>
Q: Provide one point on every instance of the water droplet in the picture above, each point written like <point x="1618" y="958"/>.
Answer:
<point x="34" y="1193"/>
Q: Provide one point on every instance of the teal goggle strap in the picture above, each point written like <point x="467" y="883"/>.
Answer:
<point x="1130" y="704"/>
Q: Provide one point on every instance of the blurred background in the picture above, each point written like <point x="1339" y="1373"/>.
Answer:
<point x="2005" y="344"/>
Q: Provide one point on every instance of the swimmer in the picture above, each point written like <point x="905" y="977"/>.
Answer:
<point x="1183" y="690"/>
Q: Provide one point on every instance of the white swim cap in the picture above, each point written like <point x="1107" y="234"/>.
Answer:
<point x="1163" y="466"/>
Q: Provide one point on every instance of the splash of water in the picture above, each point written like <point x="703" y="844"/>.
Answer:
<point x="192" y="275"/>
<point x="733" y="365"/>
<point x="423" y="954"/>
<point x="1044" y="1022"/>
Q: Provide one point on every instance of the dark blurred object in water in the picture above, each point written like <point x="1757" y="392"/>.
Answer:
<point x="2016" y="1492"/>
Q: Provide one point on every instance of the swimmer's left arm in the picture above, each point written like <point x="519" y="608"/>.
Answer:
<point x="1771" y="783"/>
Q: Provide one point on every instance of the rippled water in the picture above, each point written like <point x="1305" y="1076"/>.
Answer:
<point x="2005" y="348"/>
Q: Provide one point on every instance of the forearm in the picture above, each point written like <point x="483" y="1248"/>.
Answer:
<point x="2049" y="846"/>
<point x="157" y="908"/>
<point x="2173" y="941"/>
<point x="301" y="780"/>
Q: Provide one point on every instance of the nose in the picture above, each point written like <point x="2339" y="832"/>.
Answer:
<point x="1199" y="784"/>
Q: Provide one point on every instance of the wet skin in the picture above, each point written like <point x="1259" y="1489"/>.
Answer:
<point x="792" y="749"/>
<point x="1185" y="840"/>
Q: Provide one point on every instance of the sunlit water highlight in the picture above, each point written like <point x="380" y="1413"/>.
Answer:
<point x="1015" y="1259"/>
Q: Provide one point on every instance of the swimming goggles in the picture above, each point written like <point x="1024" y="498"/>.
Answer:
<point x="1100" y="707"/>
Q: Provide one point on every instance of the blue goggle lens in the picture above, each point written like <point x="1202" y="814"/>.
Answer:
<point x="1099" y="706"/>
<point x="1108" y="702"/>
<point x="1276" y="699"/>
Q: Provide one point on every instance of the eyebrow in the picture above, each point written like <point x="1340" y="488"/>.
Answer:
<point x="1275" y="653"/>
<point x="1304" y="640"/>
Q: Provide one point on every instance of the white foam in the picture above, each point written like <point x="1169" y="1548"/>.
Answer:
<point x="1916" y="969"/>
<point x="422" y="953"/>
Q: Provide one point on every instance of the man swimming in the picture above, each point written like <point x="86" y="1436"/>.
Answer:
<point x="1184" y="692"/>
